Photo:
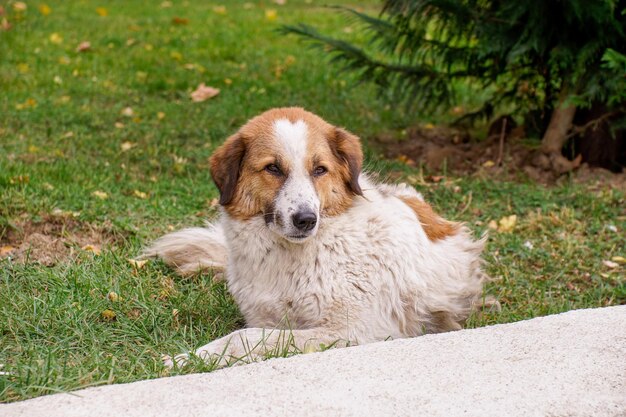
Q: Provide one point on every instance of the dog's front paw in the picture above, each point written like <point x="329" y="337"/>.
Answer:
<point x="179" y="360"/>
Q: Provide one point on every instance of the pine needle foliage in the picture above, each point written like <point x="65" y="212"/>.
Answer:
<point x="518" y="55"/>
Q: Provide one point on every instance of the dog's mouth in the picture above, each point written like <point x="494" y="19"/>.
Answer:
<point x="297" y="238"/>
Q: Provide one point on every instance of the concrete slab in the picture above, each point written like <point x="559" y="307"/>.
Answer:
<point x="571" y="364"/>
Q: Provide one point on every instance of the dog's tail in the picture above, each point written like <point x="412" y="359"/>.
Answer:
<point x="191" y="250"/>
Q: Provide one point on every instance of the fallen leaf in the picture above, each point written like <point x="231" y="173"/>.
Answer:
<point x="19" y="6"/>
<point x="180" y="21"/>
<point x="84" y="46"/>
<point x="126" y="146"/>
<point x="610" y="264"/>
<point x="44" y="9"/>
<point x="23" y="68"/>
<point x="4" y="24"/>
<point x="488" y="164"/>
<point x="5" y="250"/>
<point x="507" y="224"/>
<point x="203" y="93"/>
<point x="56" y="39"/>
<point x="100" y="194"/>
<point x="166" y="4"/>
<point x="19" y="179"/>
<point x="612" y="228"/>
<point x="137" y="264"/>
<point x="29" y="103"/>
<point x="108" y="315"/>
<point x="92" y="248"/>
<point x="493" y="225"/>
<point x="140" y="194"/>
<point x="119" y="125"/>
<point x="113" y="297"/>
<point x="160" y="115"/>
<point x="128" y="112"/>
<point x="219" y="9"/>
<point x="57" y="80"/>
<point x="271" y="14"/>
<point x="102" y="11"/>
<point x="177" y="56"/>
<point x="619" y="259"/>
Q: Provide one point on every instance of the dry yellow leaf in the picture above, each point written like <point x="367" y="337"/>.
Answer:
<point x="128" y="112"/>
<point x="507" y="224"/>
<point x="219" y="9"/>
<point x="100" y="194"/>
<point x="137" y="264"/>
<point x="44" y="9"/>
<point x="56" y="38"/>
<point x="177" y="56"/>
<point x="126" y="146"/>
<point x="5" y="250"/>
<point x="95" y="249"/>
<point x="29" y="103"/>
<point x="113" y="297"/>
<point x="102" y="11"/>
<point x="488" y="164"/>
<point x="493" y="225"/>
<point x="23" y="68"/>
<point x="140" y="194"/>
<point x="108" y="315"/>
<point x="160" y="115"/>
<point x="271" y="14"/>
<point x="19" y="6"/>
<point x="619" y="259"/>
<point x="203" y="93"/>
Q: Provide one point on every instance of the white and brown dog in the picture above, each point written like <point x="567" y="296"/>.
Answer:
<point x="311" y="245"/>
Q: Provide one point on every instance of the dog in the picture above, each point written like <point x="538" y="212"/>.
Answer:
<point x="317" y="254"/>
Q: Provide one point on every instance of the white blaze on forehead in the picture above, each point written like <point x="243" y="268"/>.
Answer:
<point x="298" y="194"/>
<point x="293" y="138"/>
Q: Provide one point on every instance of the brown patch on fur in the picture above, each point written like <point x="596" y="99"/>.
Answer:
<point x="435" y="227"/>
<point x="247" y="190"/>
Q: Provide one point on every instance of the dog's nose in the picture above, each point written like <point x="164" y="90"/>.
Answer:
<point x="304" y="220"/>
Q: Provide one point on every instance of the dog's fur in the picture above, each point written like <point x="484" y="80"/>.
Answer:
<point x="378" y="263"/>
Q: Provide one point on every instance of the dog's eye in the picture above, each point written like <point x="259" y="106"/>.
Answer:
<point x="273" y="169"/>
<point x="319" y="171"/>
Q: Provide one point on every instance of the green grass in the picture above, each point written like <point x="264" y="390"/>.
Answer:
<point x="63" y="145"/>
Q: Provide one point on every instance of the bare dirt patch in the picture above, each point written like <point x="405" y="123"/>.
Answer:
<point x="508" y="156"/>
<point x="54" y="239"/>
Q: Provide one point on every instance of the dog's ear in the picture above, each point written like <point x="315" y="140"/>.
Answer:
<point x="226" y="166"/>
<point x="347" y="147"/>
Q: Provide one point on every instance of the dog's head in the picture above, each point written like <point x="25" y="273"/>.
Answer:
<point x="292" y="168"/>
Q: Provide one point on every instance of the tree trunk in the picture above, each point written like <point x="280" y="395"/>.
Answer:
<point x="556" y="135"/>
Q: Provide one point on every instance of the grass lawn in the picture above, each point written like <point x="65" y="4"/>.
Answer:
<point x="105" y="149"/>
